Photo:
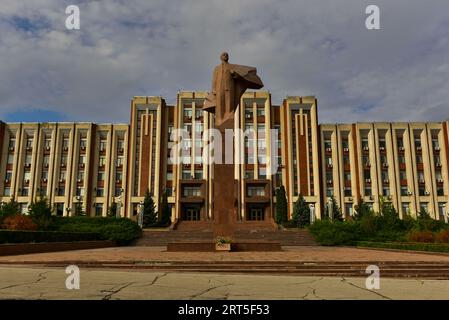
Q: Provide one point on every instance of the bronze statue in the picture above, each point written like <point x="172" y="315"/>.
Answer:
<point x="229" y="82"/>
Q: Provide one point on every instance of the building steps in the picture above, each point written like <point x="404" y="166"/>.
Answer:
<point x="389" y="269"/>
<point x="285" y="237"/>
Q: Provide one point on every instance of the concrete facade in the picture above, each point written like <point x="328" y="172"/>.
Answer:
<point x="90" y="166"/>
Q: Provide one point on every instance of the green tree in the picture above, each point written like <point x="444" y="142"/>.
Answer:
<point x="112" y="211"/>
<point x="301" y="213"/>
<point x="79" y="210"/>
<point x="40" y="211"/>
<point x="281" y="206"/>
<point x="361" y="210"/>
<point x="336" y="210"/>
<point x="149" y="210"/>
<point x="165" y="216"/>
<point x="9" y="209"/>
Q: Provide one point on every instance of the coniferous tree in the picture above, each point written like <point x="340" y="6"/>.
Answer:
<point x="281" y="206"/>
<point x="112" y="212"/>
<point x="336" y="210"/>
<point x="149" y="210"/>
<point x="301" y="213"/>
<point x="165" y="217"/>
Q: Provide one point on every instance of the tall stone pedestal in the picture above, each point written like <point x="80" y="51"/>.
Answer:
<point x="224" y="199"/>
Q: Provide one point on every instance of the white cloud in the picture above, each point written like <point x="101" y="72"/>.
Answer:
<point x="127" y="48"/>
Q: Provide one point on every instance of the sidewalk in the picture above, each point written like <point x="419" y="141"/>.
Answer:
<point x="297" y="254"/>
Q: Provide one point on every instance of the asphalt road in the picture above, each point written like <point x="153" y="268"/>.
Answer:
<point x="17" y="282"/>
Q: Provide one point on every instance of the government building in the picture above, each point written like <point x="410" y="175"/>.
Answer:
<point x="93" y="165"/>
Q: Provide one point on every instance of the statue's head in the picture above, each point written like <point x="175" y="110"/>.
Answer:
<point x="224" y="57"/>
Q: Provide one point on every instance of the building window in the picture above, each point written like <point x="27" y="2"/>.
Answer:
<point x="423" y="206"/>
<point x="10" y="159"/>
<point x="404" y="191"/>
<point x="7" y="191"/>
<point x="61" y="191"/>
<point x="190" y="191"/>
<point x="103" y="145"/>
<point x="25" y="191"/>
<point x="348" y="192"/>
<point x="256" y="191"/>
<point x="368" y="192"/>
<point x="23" y="207"/>
<point x="198" y="174"/>
<point x="349" y="209"/>
<point x="101" y="176"/>
<point x="442" y="210"/>
<point x="98" y="209"/>
<point x="386" y="191"/>
<point x="100" y="192"/>
<point x="186" y="175"/>
<point x="249" y="174"/>
<point x="169" y="176"/>
<point x="59" y="209"/>
<point x="102" y="161"/>
<point x="262" y="173"/>
<point x="329" y="192"/>
<point x="47" y="143"/>
<point x="65" y="143"/>
<point x="79" y="191"/>
<point x="12" y="144"/>
<point x="119" y="161"/>
<point x="405" y="208"/>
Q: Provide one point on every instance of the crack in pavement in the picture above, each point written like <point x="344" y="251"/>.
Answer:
<point x="156" y="279"/>
<point x="313" y="292"/>
<point x="344" y="280"/>
<point x="111" y="292"/>
<point x="40" y="277"/>
<point x="206" y="291"/>
<point x="307" y="282"/>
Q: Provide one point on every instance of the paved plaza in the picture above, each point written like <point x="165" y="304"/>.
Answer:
<point x="154" y="254"/>
<point x="49" y="283"/>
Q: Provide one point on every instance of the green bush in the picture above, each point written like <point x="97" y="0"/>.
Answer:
<point x="122" y="231"/>
<point x="10" y="236"/>
<point x="40" y="211"/>
<point x="9" y="209"/>
<point x="431" y="247"/>
<point x="330" y="233"/>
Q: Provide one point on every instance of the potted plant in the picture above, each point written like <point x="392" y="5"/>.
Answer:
<point x="223" y="244"/>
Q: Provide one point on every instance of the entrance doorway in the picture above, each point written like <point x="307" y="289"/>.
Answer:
<point x="255" y="214"/>
<point x="191" y="213"/>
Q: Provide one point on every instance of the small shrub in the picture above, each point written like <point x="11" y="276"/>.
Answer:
<point x="334" y="233"/>
<point x="9" y="209"/>
<point x="21" y="236"/>
<point x="122" y="230"/>
<point x="442" y="236"/>
<point x="420" y="236"/>
<point x="19" y="222"/>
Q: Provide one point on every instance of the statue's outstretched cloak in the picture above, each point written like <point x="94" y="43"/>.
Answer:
<point x="247" y="79"/>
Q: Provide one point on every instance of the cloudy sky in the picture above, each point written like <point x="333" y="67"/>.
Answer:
<point x="152" y="47"/>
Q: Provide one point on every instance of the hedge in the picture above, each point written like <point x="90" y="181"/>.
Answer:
<point x="14" y="236"/>
<point x="415" y="246"/>
<point x="122" y="231"/>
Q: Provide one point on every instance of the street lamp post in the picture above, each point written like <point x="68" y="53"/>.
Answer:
<point x="140" y="214"/>
<point x="118" y="213"/>
<point x="312" y="213"/>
